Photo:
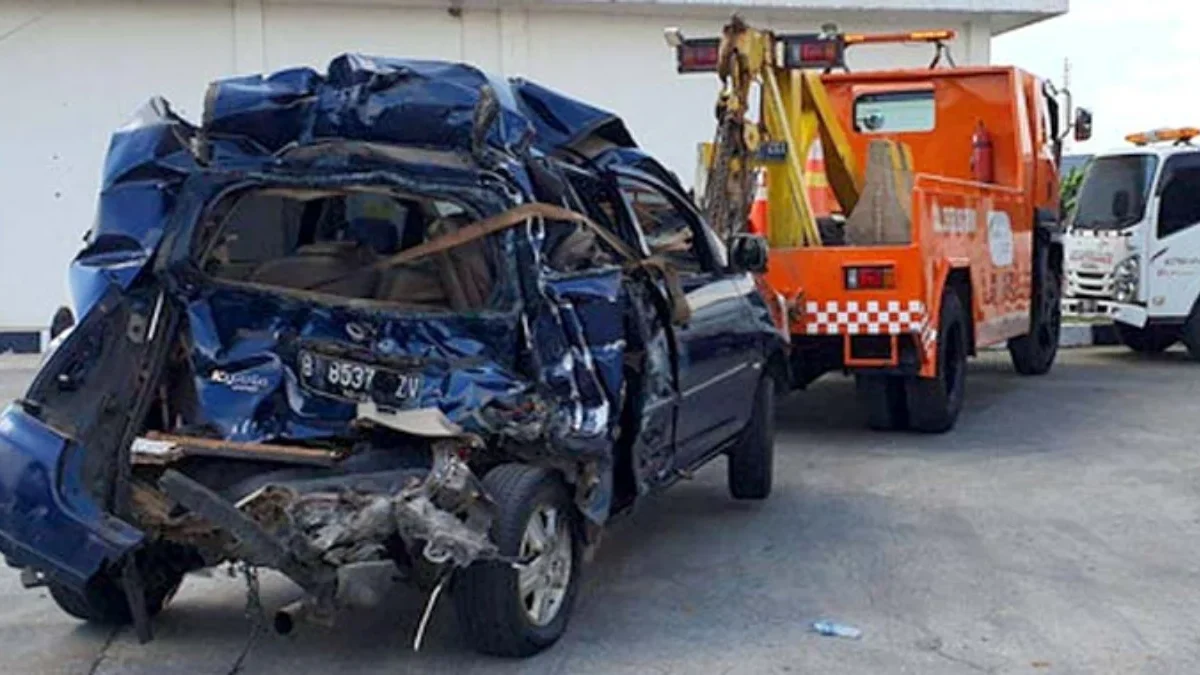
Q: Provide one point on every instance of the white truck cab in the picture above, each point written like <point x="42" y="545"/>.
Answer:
<point x="1132" y="246"/>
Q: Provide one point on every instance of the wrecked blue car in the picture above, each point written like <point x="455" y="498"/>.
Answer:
<point x="399" y="319"/>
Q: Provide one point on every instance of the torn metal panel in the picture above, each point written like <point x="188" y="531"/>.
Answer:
<point x="160" y="449"/>
<point x="424" y="422"/>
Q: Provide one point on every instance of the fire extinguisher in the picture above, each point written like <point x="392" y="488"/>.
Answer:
<point x="983" y="168"/>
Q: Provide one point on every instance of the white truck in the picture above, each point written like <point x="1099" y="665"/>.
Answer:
<point x="1132" y="246"/>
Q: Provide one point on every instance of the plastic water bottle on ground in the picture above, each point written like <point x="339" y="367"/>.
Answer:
<point x="834" y="629"/>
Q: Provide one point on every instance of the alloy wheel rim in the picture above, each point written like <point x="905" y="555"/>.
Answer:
<point x="542" y="581"/>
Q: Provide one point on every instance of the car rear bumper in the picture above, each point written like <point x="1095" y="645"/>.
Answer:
<point x="1094" y="308"/>
<point x="47" y="519"/>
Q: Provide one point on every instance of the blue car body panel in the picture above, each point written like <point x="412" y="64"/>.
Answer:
<point x="545" y="368"/>
<point x="46" y="518"/>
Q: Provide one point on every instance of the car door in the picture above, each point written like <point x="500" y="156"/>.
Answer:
<point x="1173" y="274"/>
<point x="718" y="353"/>
<point x="649" y="413"/>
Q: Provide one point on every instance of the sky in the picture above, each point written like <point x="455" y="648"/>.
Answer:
<point x="1134" y="63"/>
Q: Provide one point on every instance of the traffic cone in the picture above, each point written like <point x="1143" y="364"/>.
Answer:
<point x="758" y="209"/>
<point x="816" y="183"/>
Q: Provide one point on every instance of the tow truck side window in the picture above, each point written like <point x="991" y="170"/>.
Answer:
<point x="669" y="230"/>
<point x="895" y="112"/>
<point x="1179" y="205"/>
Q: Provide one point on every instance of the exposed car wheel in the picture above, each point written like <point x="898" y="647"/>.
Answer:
<point x="882" y="398"/>
<point x="1034" y="354"/>
<point x="751" y="464"/>
<point x="934" y="403"/>
<point x="1148" y="340"/>
<point x="506" y="611"/>
<point x="103" y="599"/>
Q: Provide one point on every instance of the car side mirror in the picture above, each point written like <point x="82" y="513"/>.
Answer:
<point x="1083" y="124"/>
<point x="748" y="253"/>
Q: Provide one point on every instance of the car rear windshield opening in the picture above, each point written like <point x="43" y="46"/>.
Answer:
<point x="335" y="243"/>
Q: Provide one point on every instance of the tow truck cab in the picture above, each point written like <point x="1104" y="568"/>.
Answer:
<point x="1132" y="248"/>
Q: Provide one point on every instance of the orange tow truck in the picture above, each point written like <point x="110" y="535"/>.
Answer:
<point x="944" y="233"/>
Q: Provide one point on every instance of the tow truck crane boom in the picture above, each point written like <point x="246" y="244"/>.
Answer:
<point x="795" y="112"/>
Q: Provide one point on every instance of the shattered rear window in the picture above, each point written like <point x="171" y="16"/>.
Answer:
<point x="337" y="243"/>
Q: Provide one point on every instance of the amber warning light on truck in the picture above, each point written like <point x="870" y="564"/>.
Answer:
<point x="1181" y="135"/>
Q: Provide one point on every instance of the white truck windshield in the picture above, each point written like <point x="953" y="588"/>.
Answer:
<point x="1114" y="192"/>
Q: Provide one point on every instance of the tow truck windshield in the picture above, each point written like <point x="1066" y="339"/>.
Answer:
<point x="1114" y="192"/>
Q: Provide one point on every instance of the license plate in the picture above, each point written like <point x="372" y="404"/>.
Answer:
<point x="354" y="381"/>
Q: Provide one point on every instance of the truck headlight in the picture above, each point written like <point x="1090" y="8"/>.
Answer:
<point x="1125" y="280"/>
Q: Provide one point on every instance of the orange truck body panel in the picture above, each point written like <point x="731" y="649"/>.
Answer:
<point x="984" y="229"/>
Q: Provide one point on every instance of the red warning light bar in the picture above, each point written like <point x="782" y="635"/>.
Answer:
<point x="805" y="51"/>
<point x="698" y="55"/>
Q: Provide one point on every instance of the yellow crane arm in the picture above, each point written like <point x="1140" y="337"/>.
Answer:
<point x="794" y="110"/>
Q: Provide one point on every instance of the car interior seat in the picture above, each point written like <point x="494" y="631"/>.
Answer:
<point x="380" y="236"/>
<point x="460" y="279"/>
<point x="327" y="267"/>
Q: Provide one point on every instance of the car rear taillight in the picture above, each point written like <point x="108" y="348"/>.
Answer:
<point x="869" y="277"/>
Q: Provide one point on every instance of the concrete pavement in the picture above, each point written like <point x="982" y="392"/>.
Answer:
<point x="1054" y="531"/>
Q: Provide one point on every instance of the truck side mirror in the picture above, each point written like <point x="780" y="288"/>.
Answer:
<point x="1083" y="124"/>
<point x="748" y="253"/>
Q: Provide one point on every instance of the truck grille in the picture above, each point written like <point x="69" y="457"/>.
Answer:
<point x="1089" y="284"/>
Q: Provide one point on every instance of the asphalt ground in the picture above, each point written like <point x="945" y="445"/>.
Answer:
<point x="1055" y="530"/>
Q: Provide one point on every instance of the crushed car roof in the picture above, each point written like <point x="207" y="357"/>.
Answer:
<point x="250" y="121"/>
<point x="403" y="101"/>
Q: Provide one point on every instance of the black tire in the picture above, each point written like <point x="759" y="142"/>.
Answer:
<point x="487" y="599"/>
<point x="751" y="466"/>
<point x="934" y="404"/>
<point x="1148" y="340"/>
<point x="882" y="398"/>
<point x="62" y="320"/>
<point x="1034" y="354"/>
<point x="1190" y="334"/>
<point x="103" y="599"/>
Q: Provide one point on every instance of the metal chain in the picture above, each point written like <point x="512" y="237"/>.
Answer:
<point x="254" y="608"/>
<point x="254" y="612"/>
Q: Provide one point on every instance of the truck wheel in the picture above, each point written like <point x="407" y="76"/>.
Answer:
<point x="1191" y="333"/>
<point x="1148" y="340"/>
<point x="882" y="398"/>
<point x="934" y="404"/>
<point x="750" y="470"/>
<point x="506" y="611"/>
<point x="62" y="320"/>
<point x="103" y="599"/>
<point x="1033" y="354"/>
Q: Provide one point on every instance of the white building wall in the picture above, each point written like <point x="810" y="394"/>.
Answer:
<point x="73" y="71"/>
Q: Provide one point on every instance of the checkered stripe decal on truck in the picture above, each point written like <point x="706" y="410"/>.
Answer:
<point x="864" y="318"/>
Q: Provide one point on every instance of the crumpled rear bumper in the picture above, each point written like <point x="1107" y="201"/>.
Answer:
<point x="317" y="531"/>
<point x="47" y="519"/>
